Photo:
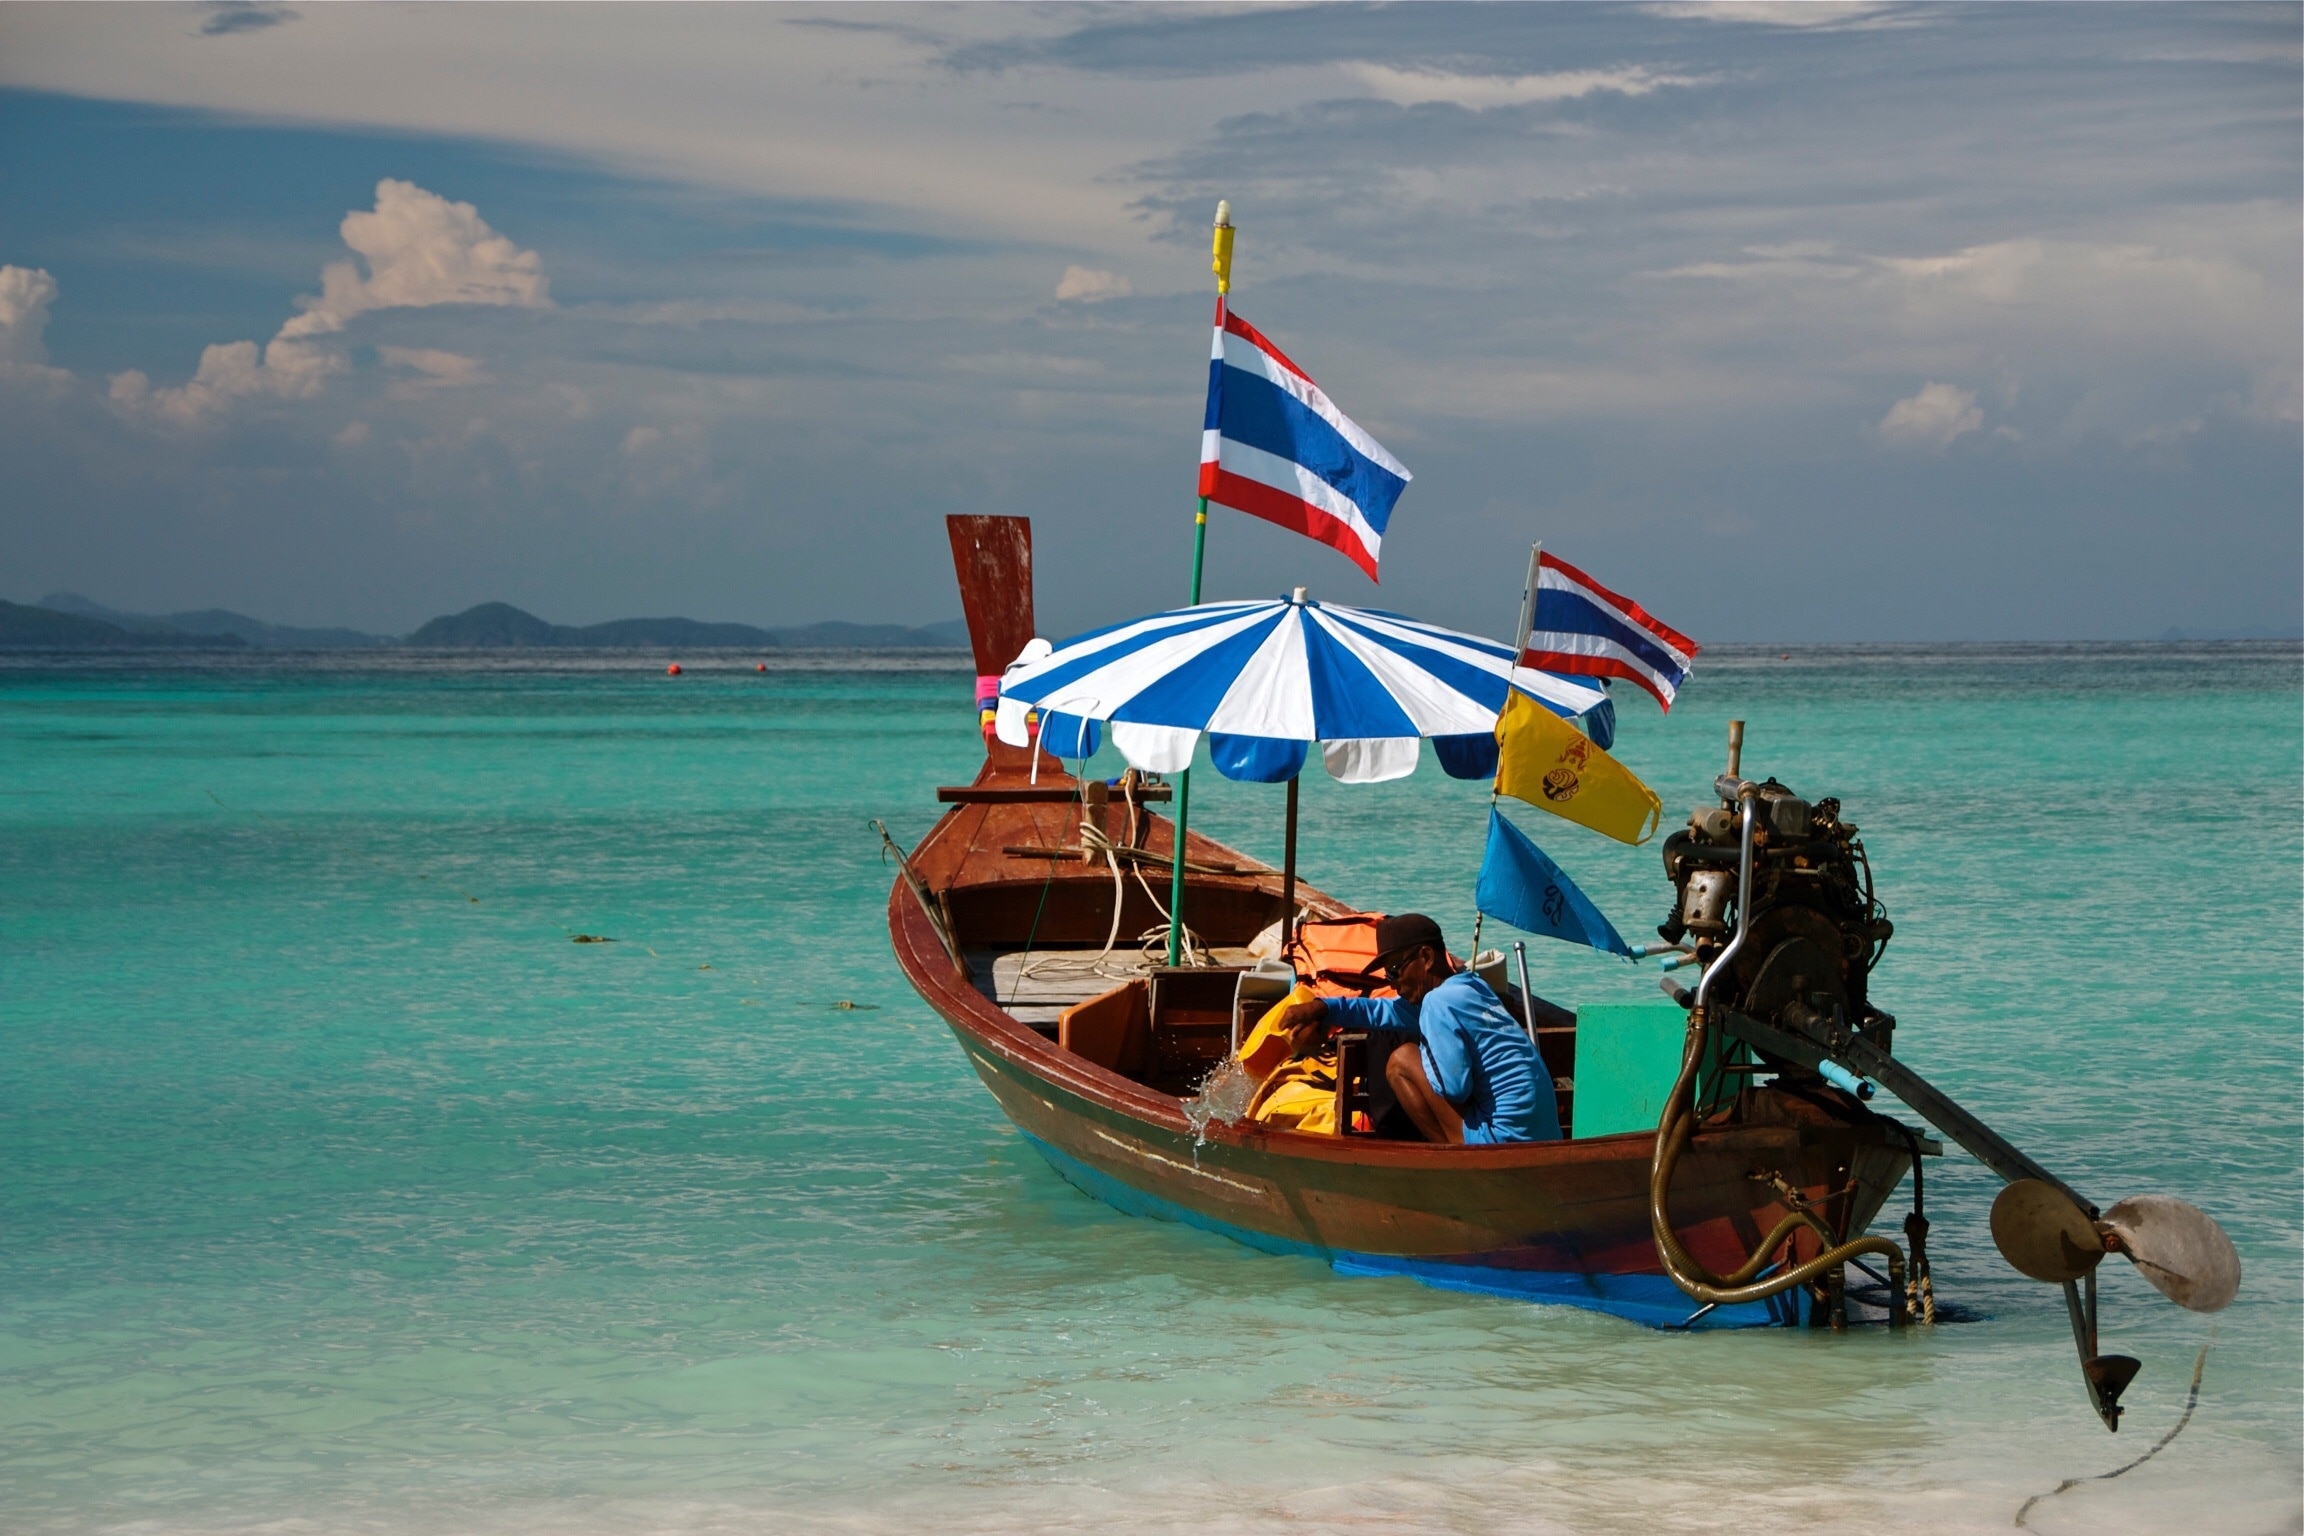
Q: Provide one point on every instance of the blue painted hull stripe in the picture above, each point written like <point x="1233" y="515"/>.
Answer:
<point x="1650" y="1299"/>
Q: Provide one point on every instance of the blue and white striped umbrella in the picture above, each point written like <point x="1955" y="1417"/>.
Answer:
<point x="1265" y="679"/>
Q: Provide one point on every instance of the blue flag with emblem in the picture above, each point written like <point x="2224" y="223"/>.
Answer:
<point x="1520" y="886"/>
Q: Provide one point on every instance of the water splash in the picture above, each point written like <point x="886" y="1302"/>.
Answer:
<point x="1222" y="1096"/>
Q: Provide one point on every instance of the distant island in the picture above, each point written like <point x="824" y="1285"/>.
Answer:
<point x="24" y="628"/>
<point x="500" y="626"/>
<point x="66" y="621"/>
<point x="200" y="626"/>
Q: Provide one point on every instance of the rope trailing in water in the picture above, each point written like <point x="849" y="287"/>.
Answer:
<point x="2191" y="1401"/>
<point x="1673" y="1134"/>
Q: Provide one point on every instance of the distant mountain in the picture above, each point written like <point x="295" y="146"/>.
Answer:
<point x="500" y="626"/>
<point x="491" y="626"/>
<point x="69" y="621"/>
<point x="24" y="628"/>
<point x="215" y="621"/>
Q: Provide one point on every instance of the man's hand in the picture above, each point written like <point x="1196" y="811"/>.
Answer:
<point x="1305" y="1022"/>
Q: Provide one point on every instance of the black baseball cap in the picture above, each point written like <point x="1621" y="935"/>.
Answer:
<point x="1405" y="930"/>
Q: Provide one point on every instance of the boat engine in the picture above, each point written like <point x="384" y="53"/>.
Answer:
<point x="1815" y="928"/>
<point x="1773" y="900"/>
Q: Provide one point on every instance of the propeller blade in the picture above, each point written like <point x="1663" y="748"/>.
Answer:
<point x="2178" y="1247"/>
<point x="2043" y="1234"/>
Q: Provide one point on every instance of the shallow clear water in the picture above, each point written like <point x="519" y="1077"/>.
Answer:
<point x="339" y="1190"/>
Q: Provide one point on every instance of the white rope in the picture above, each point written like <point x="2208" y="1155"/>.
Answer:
<point x="1094" y="840"/>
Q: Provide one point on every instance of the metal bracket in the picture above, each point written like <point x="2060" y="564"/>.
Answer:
<point x="1808" y="1039"/>
<point x="1808" y="1042"/>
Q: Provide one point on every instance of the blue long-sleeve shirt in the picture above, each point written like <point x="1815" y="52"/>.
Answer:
<point x="1475" y="1053"/>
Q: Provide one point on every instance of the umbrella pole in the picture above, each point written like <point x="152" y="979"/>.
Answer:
<point x="1176" y="871"/>
<point x="1184" y="779"/>
<point x="1288" y="874"/>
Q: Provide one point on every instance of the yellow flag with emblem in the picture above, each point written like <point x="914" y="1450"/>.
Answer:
<point x="1547" y="762"/>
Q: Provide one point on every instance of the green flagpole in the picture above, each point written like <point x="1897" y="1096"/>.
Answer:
<point x="1221" y="264"/>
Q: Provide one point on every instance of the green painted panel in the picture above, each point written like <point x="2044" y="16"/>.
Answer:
<point x="1627" y="1055"/>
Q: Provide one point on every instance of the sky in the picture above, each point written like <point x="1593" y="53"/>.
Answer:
<point x="1802" y="323"/>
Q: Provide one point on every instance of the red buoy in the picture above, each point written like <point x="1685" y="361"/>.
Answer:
<point x="761" y="668"/>
<point x="672" y="670"/>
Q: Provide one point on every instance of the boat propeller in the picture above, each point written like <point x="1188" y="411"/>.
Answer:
<point x="2178" y="1247"/>
<point x="2042" y="1234"/>
<point x="2046" y="1235"/>
<point x="2039" y="1224"/>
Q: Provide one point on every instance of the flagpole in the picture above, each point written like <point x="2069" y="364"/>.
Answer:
<point x="1519" y="647"/>
<point x="1220" y="262"/>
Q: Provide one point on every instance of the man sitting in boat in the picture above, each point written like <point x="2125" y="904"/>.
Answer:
<point x="1466" y="1071"/>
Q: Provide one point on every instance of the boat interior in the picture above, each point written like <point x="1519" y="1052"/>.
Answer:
<point x="1169" y="1028"/>
<point x="1049" y="894"/>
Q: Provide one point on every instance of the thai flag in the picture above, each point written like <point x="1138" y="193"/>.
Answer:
<point x="1275" y="447"/>
<point x="1584" y="629"/>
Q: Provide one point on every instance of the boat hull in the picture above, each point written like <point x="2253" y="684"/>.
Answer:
<point x="1563" y="1221"/>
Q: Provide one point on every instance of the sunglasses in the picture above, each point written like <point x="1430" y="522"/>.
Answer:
<point x="1393" y="969"/>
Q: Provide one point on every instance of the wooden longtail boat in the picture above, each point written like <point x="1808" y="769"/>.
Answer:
<point x="1001" y="922"/>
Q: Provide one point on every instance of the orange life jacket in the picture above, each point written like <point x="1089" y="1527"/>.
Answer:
<point x="1332" y="955"/>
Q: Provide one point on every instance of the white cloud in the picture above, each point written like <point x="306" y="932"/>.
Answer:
<point x="1932" y="418"/>
<point x="233" y="370"/>
<point x="1416" y="87"/>
<point x="1090" y="285"/>
<point x="871" y="117"/>
<point x="25" y="294"/>
<point x="431" y="369"/>
<point x="421" y="250"/>
<point x="673" y="460"/>
<point x="1025" y="368"/>
<point x="2199" y="314"/>
<point x="1816" y="14"/>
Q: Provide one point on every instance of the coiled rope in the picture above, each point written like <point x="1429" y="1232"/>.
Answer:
<point x="1094" y="841"/>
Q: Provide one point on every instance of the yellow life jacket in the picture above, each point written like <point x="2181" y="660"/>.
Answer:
<point x="1301" y="1096"/>
<point x="1297" y="1093"/>
<point x="1267" y="1044"/>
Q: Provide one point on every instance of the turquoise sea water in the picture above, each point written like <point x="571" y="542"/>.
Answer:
<point x="339" y="1190"/>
